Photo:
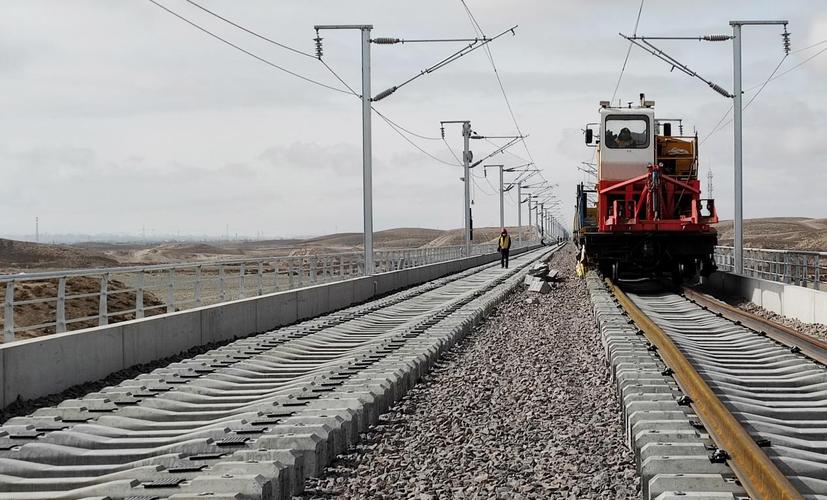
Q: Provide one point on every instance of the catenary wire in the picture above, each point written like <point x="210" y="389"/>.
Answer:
<point x="412" y="143"/>
<point x="341" y="80"/>
<point x="274" y="42"/>
<point x="628" y="51"/>
<point x="719" y="127"/>
<point x="258" y="35"/>
<point x="478" y="29"/>
<point x="245" y="51"/>
<point x="393" y="125"/>
<point x="772" y="78"/>
<point x="452" y="151"/>
<point x="407" y="131"/>
<point x="802" y="63"/>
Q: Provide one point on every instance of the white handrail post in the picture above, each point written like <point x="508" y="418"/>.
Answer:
<point x="276" y="268"/>
<point x="241" y="281"/>
<point x="197" y="292"/>
<point x="8" y="313"/>
<point x="139" y="296"/>
<point x="261" y="278"/>
<point x="171" y="291"/>
<point x="103" y="313"/>
<point x="60" y="306"/>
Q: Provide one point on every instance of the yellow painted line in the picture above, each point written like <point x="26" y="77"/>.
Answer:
<point x="759" y="476"/>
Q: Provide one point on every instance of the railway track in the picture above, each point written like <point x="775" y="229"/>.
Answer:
<point x="744" y="386"/>
<point x="253" y="419"/>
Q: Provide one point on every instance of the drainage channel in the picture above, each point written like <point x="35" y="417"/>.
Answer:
<point x="255" y="418"/>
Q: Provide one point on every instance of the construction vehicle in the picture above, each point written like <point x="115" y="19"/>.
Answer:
<point x="647" y="216"/>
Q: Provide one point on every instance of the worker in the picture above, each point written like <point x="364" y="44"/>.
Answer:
<point x="503" y="246"/>
<point x="624" y="139"/>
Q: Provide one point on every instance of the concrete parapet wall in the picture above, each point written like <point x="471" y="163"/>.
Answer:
<point x="804" y="304"/>
<point x="41" y="366"/>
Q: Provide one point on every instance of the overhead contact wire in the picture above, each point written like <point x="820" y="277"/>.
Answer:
<point x="245" y="51"/>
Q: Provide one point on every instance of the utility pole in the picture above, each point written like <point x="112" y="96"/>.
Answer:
<point x="502" y="210"/>
<point x="737" y="108"/>
<point x="367" y="177"/>
<point x="367" y="157"/>
<point x="541" y="220"/>
<point x="467" y="157"/>
<point x="737" y="113"/>
<point x="466" y="166"/>
<point x="37" y="229"/>
<point x="537" y="217"/>
<point x="367" y="150"/>
<point x="519" y="212"/>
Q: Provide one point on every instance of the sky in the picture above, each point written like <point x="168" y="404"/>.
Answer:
<point x="119" y="118"/>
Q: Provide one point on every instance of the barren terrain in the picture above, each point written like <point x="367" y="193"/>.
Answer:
<point x="39" y="301"/>
<point x="784" y="233"/>
<point x="19" y="256"/>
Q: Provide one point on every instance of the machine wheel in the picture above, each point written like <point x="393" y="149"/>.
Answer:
<point x="707" y="267"/>
<point x="677" y="275"/>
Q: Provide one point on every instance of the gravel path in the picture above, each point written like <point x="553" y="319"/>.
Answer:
<point x="522" y="408"/>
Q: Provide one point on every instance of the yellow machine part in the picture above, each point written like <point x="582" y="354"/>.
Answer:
<point x="679" y="151"/>
<point x="591" y="214"/>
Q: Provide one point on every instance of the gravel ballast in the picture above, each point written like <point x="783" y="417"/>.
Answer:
<point x="814" y="329"/>
<point x="522" y="408"/>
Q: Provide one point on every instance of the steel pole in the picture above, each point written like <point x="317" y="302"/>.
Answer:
<point x="519" y="212"/>
<point x="541" y="220"/>
<point x="738" y="243"/>
<point x="367" y="174"/>
<point x="502" y="211"/>
<point x="466" y="160"/>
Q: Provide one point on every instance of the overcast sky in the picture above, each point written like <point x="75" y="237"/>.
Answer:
<point x="117" y="115"/>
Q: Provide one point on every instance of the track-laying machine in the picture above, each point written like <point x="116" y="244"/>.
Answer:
<point x="644" y="215"/>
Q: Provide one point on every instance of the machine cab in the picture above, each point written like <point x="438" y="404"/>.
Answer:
<point x="627" y="145"/>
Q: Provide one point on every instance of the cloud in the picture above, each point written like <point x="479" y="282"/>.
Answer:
<point x="116" y="117"/>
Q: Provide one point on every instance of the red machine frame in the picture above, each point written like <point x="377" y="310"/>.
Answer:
<point x="650" y="203"/>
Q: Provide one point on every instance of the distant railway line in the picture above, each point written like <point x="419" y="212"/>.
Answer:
<point x="253" y="419"/>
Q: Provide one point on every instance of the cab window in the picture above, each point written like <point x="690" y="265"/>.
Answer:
<point x="626" y="132"/>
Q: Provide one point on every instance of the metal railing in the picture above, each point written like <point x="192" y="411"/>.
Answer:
<point x="42" y="303"/>
<point x="796" y="267"/>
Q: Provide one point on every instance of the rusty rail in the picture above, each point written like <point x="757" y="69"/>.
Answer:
<point x="757" y="473"/>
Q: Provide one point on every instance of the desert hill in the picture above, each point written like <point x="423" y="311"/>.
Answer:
<point x="25" y="255"/>
<point x="785" y="233"/>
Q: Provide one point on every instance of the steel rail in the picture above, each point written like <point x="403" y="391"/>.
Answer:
<point x="277" y="406"/>
<point x="813" y="348"/>
<point x="757" y="473"/>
